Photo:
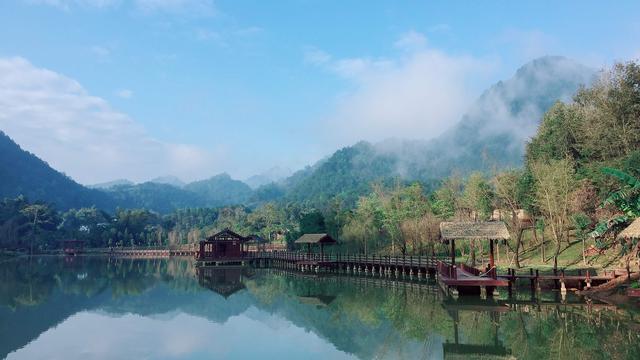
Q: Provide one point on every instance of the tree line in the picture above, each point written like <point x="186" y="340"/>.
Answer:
<point x="579" y="182"/>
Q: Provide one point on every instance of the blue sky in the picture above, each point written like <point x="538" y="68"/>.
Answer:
<point x="106" y="89"/>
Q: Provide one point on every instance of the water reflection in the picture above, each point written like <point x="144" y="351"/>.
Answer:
<point x="90" y="307"/>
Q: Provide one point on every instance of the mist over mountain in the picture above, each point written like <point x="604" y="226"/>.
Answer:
<point x="272" y="175"/>
<point x="494" y="131"/>
<point x="169" y="180"/>
<point x="491" y="135"/>
<point x="111" y="184"/>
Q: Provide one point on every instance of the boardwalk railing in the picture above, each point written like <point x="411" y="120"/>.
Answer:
<point x="448" y="270"/>
<point x="375" y="260"/>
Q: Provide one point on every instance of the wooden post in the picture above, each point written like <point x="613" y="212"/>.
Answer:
<point x="491" y="260"/>
<point x="532" y="282"/>
<point x="453" y="252"/>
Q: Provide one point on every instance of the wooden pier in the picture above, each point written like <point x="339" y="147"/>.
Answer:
<point x="458" y="279"/>
<point x="142" y="252"/>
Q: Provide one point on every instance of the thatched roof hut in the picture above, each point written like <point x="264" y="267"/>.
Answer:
<point x="320" y="239"/>
<point x="631" y="232"/>
<point x="489" y="230"/>
<point x="315" y="239"/>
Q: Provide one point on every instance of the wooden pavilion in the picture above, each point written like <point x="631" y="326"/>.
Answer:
<point x="466" y="278"/>
<point x="316" y="239"/>
<point x="225" y="245"/>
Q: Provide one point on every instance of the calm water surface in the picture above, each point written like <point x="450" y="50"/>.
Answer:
<point x="96" y="308"/>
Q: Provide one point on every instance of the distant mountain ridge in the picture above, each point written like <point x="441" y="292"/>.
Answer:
<point x="491" y="135"/>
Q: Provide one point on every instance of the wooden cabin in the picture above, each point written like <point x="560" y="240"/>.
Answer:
<point x="225" y="245"/>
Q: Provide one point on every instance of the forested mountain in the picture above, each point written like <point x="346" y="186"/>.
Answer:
<point x="220" y="190"/>
<point x="162" y="198"/>
<point x="348" y="173"/>
<point x="491" y="135"/>
<point x="22" y="173"/>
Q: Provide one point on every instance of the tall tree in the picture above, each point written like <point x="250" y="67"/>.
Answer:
<point x="554" y="185"/>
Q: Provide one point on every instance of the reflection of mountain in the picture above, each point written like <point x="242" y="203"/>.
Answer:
<point x="356" y="318"/>
<point x="21" y="326"/>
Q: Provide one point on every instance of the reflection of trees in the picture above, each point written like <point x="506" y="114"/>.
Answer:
<point x="364" y="316"/>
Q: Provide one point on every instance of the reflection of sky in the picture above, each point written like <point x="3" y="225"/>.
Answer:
<point x="91" y="335"/>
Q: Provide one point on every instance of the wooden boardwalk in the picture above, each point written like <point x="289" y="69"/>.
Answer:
<point x="460" y="278"/>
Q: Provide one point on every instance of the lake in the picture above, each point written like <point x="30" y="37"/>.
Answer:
<point x="98" y="308"/>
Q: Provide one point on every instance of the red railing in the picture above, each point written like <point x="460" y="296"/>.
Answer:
<point x="471" y="270"/>
<point x="447" y="270"/>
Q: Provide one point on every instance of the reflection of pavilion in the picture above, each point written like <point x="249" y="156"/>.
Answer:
<point x="222" y="280"/>
<point x="456" y="350"/>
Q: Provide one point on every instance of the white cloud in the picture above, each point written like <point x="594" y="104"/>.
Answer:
<point x="418" y="94"/>
<point x="124" y="93"/>
<point x="54" y="117"/>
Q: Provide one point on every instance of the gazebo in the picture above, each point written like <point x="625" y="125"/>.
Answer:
<point x="484" y="231"/>
<point x="320" y="239"/>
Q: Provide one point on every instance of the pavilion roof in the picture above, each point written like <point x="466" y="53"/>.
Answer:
<point x="315" y="239"/>
<point x="226" y="235"/>
<point x="463" y="230"/>
<point x="632" y="231"/>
